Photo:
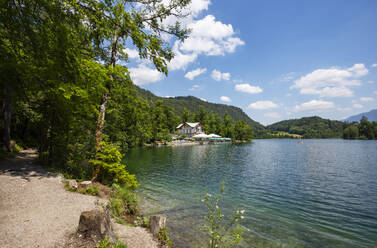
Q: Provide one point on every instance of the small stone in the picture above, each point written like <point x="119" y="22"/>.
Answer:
<point x="156" y="223"/>
<point x="72" y="184"/>
<point x="83" y="185"/>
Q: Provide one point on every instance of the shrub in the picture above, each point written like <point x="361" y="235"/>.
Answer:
<point x="142" y="221"/>
<point x="111" y="170"/>
<point x="221" y="234"/>
<point x="163" y="237"/>
<point x="123" y="202"/>
<point x="92" y="190"/>
<point x="105" y="243"/>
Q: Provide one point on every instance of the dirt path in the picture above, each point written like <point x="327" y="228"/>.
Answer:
<point x="36" y="210"/>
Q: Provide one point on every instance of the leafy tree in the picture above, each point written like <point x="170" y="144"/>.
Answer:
<point x="242" y="131"/>
<point x="186" y="115"/>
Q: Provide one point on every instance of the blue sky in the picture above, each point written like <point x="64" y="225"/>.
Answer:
<point x="274" y="59"/>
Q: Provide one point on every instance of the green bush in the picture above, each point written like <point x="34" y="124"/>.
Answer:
<point x="105" y="243"/>
<point x="92" y="190"/>
<point x="111" y="169"/>
<point x="163" y="237"/>
<point x="123" y="202"/>
<point x="142" y="221"/>
<point x="221" y="234"/>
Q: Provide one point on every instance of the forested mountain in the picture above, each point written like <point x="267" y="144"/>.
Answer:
<point x="310" y="127"/>
<point x="371" y="115"/>
<point x="193" y="104"/>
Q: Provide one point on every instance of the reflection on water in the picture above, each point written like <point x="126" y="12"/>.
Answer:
<point x="322" y="193"/>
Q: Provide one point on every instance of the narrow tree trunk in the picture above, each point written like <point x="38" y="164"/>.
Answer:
<point x="102" y="109"/>
<point x="7" y="107"/>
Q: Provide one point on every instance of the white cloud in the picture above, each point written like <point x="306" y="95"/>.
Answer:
<point x="357" y="105"/>
<point x="260" y="105"/>
<point x="333" y="82"/>
<point x="218" y="75"/>
<point x="211" y="37"/>
<point x="208" y="36"/>
<point x="203" y="99"/>
<point x="370" y="81"/>
<point x="225" y="99"/>
<point x="272" y="115"/>
<point x="144" y="75"/>
<point x="375" y="92"/>
<point x="314" y="105"/>
<point x="345" y="110"/>
<point x="180" y="60"/>
<point x="247" y="88"/>
<point x="374" y="65"/>
<point x="366" y="99"/>
<point x="132" y="53"/>
<point x="194" y="87"/>
<point x="193" y="74"/>
<point x="288" y="77"/>
<point x="197" y="6"/>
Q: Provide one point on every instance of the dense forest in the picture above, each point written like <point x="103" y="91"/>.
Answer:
<point x="65" y="91"/>
<point x="194" y="104"/>
<point x="363" y="130"/>
<point x="309" y="127"/>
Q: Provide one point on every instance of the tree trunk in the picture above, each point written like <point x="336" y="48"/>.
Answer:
<point x="7" y="106"/>
<point x="102" y="109"/>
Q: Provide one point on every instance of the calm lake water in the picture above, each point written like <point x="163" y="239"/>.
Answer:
<point x="322" y="193"/>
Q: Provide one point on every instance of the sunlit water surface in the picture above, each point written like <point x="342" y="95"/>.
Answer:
<point x="322" y="193"/>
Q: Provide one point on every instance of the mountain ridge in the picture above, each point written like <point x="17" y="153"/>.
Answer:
<point x="371" y="115"/>
<point x="193" y="104"/>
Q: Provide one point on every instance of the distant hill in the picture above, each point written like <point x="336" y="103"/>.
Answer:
<point x="193" y="104"/>
<point x="310" y="127"/>
<point x="371" y="115"/>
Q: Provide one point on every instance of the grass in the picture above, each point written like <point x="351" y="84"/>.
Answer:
<point x="124" y="202"/>
<point x="90" y="190"/>
<point x="107" y="244"/>
<point x="164" y="239"/>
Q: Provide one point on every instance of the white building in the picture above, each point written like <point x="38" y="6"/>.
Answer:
<point x="190" y="129"/>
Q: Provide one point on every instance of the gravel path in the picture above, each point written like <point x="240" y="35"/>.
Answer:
<point x="36" y="210"/>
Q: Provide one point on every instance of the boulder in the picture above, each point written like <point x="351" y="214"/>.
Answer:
<point x="156" y="223"/>
<point x="72" y="184"/>
<point x="83" y="185"/>
<point x="96" y="224"/>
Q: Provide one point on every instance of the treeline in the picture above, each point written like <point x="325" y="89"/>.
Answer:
<point x="194" y="104"/>
<point x="64" y="90"/>
<point x="222" y="125"/>
<point x="307" y="127"/>
<point x="363" y="130"/>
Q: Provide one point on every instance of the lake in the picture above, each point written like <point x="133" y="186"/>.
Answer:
<point x="322" y="193"/>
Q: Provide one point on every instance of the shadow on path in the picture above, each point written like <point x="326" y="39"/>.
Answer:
<point x="24" y="166"/>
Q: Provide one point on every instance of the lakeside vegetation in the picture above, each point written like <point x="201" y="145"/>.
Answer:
<point x="363" y="130"/>
<point x="310" y="127"/>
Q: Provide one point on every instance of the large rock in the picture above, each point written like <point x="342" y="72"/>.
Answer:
<point x="72" y="184"/>
<point x="83" y="185"/>
<point x="96" y="224"/>
<point x="156" y="223"/>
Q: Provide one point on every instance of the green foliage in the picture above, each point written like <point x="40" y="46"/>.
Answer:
<point x="363" y="130"/>
<point x="111" y="169"/>
<point x="195" y="105"/>
<point x="142" y="221"/>
<point x="123" y="202"/>
<point x="92" y="190"/>
<point x="66" y="186"/>
<point x="164" y="239"/>
<point x="221" y="233"/>
<point x="309" y="127"/>
<point x="105" y="243"/>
